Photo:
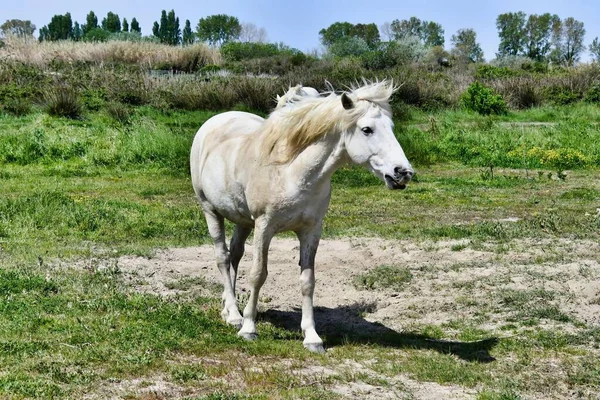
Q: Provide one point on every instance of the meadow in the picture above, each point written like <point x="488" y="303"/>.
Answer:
<point x="484" y="285"/>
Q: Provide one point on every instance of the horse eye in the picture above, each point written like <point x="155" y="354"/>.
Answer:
<point x="367" y="130"/>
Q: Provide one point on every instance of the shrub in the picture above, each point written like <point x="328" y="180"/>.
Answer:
<point x="491" y="72"/>
<point x="96" y="35"/>
<point x="593" y="94"/>
<point x="519" y="91"/>
<point x="63" y="102"/>
<point x="482" y="100"/>
<point x="17" y="107"/>
<point x="349" y="46"/>
<point x="257" y="93"/>
<point x="119" y="112"/>
<point x="238" y="51"/>
<point x="562" y="95"/>
<point x="93" y="99"/>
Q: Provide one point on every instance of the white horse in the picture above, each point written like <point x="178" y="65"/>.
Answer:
<point x="274" y="175"/>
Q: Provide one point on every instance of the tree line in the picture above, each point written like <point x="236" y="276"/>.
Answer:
<point x="540" y="37"/>
<point x="214" y="29"/>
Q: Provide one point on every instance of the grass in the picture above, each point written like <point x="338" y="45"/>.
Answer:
<point x="385" y="277"/>
<point x="104" y="186"/>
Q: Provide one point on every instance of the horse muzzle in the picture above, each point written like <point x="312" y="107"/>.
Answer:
<point x="400" y="178"/>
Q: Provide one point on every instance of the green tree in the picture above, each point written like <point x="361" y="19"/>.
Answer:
<point x="574" y="34"/>
<point x="367" y="32"/>
<point x="135" y="26"/>
<point x="18" y="28"/>
<point x="174" y="33"/>
<point x="91" y="22"/>
<point x="125" y="25"/>
<point x="96" y="35"/>
<point x="112" y="22"/>
<point x="538" y="32"/>
<point x="349" y="46"/>
<point x="511" y="30"/>
<point x="188" y="35"/>
<point x="77" y="32"/>
<point x="555" y="55"/>
<point x="465" y="46"/>
<point x="167" y="31"/>
<point x="432" y="34"/>
<point x="335" y="32"/>
<point x="595" y="50"/>
<point x="344" y="30"/>
<point x="218" y="29"/>
<point x="59" y="28"/>
<point x="406" y="27"/>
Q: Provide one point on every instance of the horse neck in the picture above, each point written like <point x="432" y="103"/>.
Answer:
<point x="317" y="163"/>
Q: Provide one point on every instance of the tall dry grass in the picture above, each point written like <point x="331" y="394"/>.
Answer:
<point x="144" y="54"/>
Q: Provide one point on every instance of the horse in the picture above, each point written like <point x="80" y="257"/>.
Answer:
<point x="295" y="93"/>
<point x="274" y="175"/>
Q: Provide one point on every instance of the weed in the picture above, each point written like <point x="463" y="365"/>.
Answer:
<point x="63" y="101"/>
<point x="384" y="277"/>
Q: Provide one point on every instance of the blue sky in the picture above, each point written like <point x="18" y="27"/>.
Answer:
<point x="297" y="22"/>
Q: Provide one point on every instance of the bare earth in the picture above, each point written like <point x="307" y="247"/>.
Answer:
<point x="449" y="282"/>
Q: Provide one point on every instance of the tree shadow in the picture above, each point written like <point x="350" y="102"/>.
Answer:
<point x="344" y="324"/>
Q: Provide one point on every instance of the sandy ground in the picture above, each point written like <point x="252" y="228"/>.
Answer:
<point x="449" y="282"/>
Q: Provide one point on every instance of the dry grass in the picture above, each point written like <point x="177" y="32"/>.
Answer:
<point x="144" y="54"/>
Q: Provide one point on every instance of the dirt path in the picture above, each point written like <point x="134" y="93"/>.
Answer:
<point x="441" y="272"/>
<point x="451" y="281"/>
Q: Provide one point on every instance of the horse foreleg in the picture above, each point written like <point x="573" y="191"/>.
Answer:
<point x="258" y="275"/>
<point x="309" y="241"/>
<point x="216" y="228"/>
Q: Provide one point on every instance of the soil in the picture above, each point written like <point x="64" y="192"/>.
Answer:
<point x="451" y="281"/>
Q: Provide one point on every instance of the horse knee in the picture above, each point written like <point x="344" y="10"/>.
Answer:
<point x="307" y="283"/>
<point x="223" y="259"/>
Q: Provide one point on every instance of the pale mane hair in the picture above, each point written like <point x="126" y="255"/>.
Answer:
<point x="292" y="94"/>
<point x="290" y="130"/>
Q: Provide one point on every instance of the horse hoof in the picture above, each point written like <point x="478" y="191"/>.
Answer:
<point x="315" y="347"/>
<point x="248" y="336"/>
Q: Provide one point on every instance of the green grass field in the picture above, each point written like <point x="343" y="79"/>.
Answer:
<point x="95" y="188"/>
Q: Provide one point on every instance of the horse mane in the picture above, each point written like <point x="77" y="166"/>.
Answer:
<point x="294" y="94"/>
<point x="291" y="129"/>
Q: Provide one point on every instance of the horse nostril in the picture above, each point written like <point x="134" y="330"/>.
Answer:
<point x="403" y="172"/>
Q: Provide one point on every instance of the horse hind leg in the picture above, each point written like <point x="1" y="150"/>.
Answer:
<point x="216" y="228"/>
<point x="237" y="247"/>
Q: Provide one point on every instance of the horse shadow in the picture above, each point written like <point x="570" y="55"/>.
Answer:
<point x="344" y="325"/>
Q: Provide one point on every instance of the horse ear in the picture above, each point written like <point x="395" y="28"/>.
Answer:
<point x="347" y="102"/>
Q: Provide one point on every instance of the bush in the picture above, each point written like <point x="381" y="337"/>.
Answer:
<point x="349" y="46"/>
<point x="238" y="51"/>
<point x="63" y="102"/>
<point x="16" y="107"/>
<point x="93" y="99"/>
<point x="119" y="112"/>
<point x="491" y="72"/>
<point x="520" y="92"/>
<point x="561" y="95"/>
<point x="593" y="94"/>
<point x="96" y="35"/>
<point x="482" y="100"/>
